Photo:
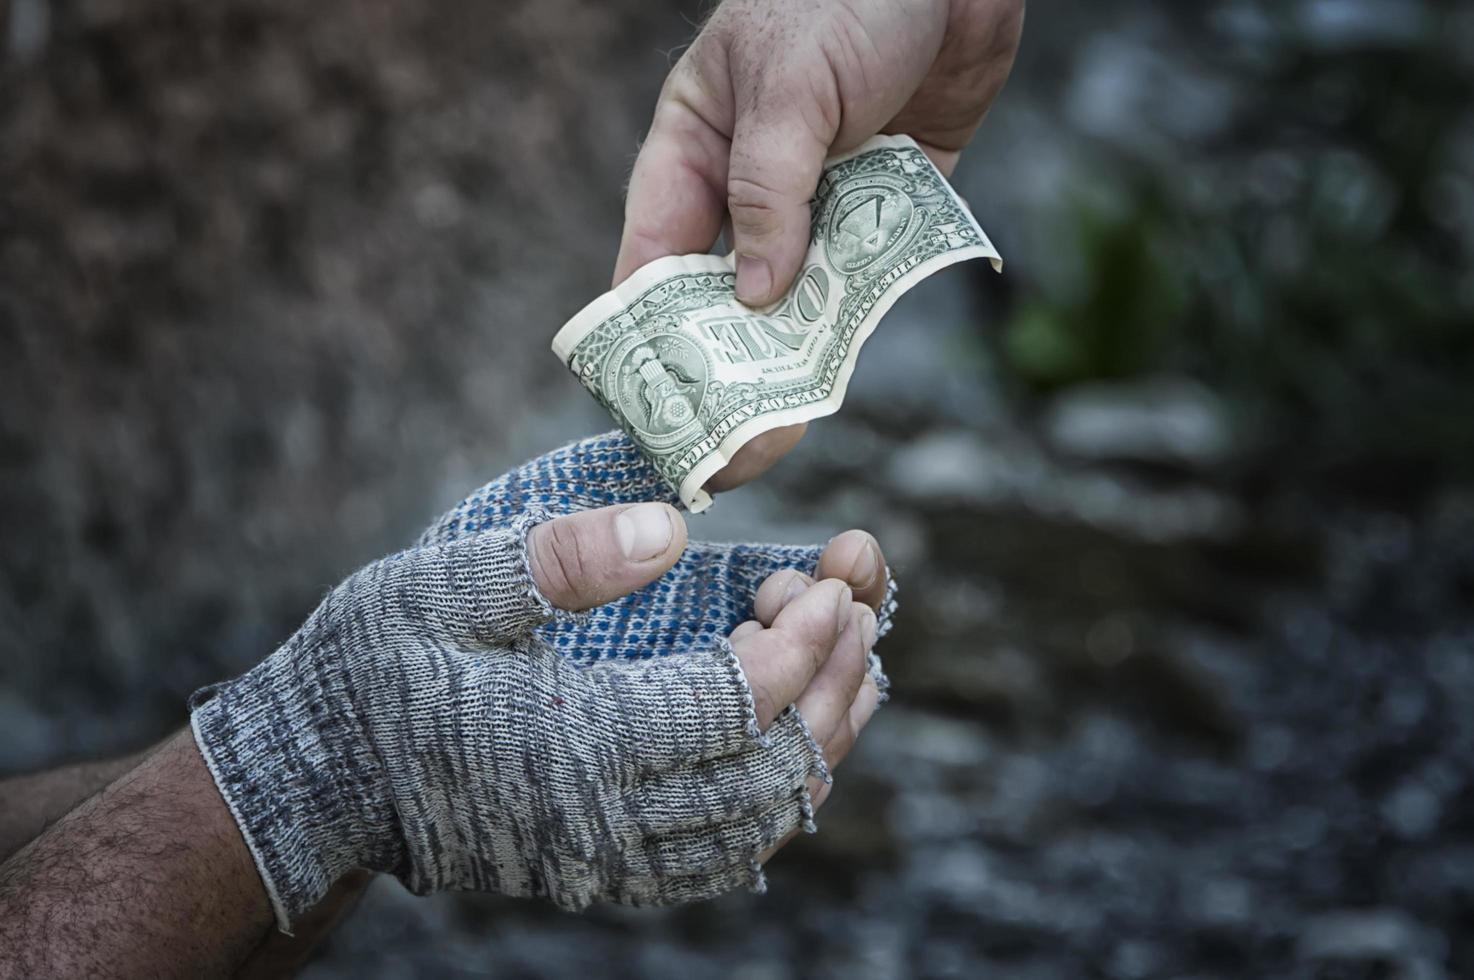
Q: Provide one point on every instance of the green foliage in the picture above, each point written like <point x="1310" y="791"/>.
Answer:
<point x="1310" y="260"/>
<point x="1116" y="318"/>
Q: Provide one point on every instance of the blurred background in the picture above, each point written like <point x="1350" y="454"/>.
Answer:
<point x="1182" y="503"/>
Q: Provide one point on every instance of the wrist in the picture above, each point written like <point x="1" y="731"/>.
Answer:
<point x="296" y="769"/>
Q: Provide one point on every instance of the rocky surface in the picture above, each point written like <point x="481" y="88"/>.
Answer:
<point x="1174" y="697"/>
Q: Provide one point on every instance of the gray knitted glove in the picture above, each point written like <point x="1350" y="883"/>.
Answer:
<point x="415" y="725"/>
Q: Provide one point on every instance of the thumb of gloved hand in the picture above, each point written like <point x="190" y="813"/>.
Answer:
<point x="596" y="556"/>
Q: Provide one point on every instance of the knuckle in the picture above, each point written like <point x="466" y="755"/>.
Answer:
<point x="806" y="646"/>
<point x="851" y="52"/>
<point x="821" y="112"/>
<point x="559" y="554"/>
<point x="756" y="207"/>
<point x="812" y="632"/>
<point x="854" y="661"/>
<point x="817" y="648"/>
<point x="639" y="237"/>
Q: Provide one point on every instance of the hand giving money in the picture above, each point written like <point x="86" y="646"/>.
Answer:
<point x="693" y="375"/>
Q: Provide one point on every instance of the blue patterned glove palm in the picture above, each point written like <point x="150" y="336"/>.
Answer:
<point x="702" y="599"/>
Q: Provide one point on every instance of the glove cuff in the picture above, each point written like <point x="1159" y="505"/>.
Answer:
<point x="305" y="788"/>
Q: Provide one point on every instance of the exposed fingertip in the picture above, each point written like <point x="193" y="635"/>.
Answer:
<point x="777" y="591"/>
<point x="645" y="531"/>
<point x="866" y="565"/>
<point x="747" y="628"/>
<point x="855" y="556"/>
<point x="842" y="608"/>
<point x="814" y="618"/>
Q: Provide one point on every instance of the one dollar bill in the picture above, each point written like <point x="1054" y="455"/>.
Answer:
<point x="693" y="375"/>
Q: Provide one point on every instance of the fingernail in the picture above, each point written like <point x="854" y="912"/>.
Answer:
<point x="842" y="610"/>
<point x="754" y="280"/>
<point x="644" y="531"/>
<point x="867" y="628"/>
<point x="867" y="563"/>
<point x="797" y="586"/>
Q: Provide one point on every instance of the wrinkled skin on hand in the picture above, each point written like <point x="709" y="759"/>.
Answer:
<point x="765" y="93"/>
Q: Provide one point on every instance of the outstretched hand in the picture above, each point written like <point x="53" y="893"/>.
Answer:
<point x="713" y="591"/>
<point x="765" y="93"/>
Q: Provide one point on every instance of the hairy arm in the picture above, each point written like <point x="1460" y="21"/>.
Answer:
<point x="149" y="877"/>
<point x="31" y="803"/>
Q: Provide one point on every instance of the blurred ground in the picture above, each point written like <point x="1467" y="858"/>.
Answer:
<point x="1182" y="503"/>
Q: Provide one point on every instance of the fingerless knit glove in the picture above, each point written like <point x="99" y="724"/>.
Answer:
<point x="415" y="726"/>
<point x="435" y="719"/>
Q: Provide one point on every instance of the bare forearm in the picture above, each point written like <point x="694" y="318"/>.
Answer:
<point x="29" y="804"/>
<point x="150" y="877"/>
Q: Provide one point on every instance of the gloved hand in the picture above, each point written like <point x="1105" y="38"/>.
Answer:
<point x="416" y="725"/>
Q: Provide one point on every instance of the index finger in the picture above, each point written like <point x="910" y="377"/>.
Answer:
<point x="779" y="662"/>
<point x="677" y="195"/>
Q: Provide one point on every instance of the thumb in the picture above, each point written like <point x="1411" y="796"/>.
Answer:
<point x="595" y="556"/>
<point x="775" y="166"/>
